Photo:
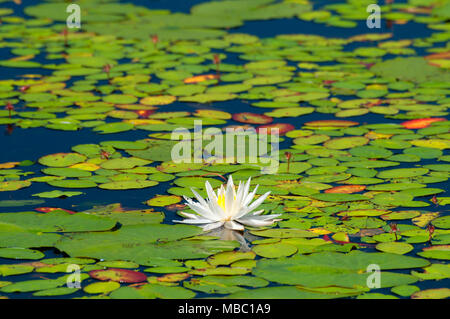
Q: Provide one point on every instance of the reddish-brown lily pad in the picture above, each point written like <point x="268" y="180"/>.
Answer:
<point x="346" y="189"/>
<point x="144" y="113"/>
<point x="331" y="123"/>
<point x="118" y="275"/>
<point x="421" y="123"/>
<point x="252" y="118"/>
<point x="282" y="127"/>
<point x="51" y="209"/>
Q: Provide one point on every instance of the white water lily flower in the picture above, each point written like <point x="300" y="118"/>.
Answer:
<point x="229" y="208"/>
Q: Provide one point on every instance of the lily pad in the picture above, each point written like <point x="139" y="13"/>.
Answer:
<point x="133" y="184"/>
<point x="336" y="269"/>
<point x="20" y="253"/>
<point x="62" y="159"/>
<point x="275" y="250"/>
<point x="118" y="275"/>
<point x="395" y="247"/>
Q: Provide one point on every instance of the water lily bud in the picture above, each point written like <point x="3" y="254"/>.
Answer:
<point x="9" y="107"/>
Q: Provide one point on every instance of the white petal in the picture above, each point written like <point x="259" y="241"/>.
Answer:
<point x="258" y="212"/>
<point x="216" y="210"/>
<point x="230" y="181"/>
<point x="199" y="198"/>
<point x="220" y="191"/>
<point x="233" y="225"/>
<point x="229" y="200"/>
<point x="246" y="210"/>
<point x="204" y="211"/>
<point x="255" y="222"/>
<point x="258" y="202"/>
<point x="237" y="203"/>
<point x="267" y="217"/>
<point x="190" y="216"/>
<point x="250" y="196"/>
<point x="259" y="217"/>
<point x="193" y="221"/>
<point x="212" y="226"/>
<point x="211" y="195"/>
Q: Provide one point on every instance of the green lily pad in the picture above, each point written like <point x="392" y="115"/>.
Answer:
<point x="405" y="290"/>
<point x="402" y="173"/>
<point x="436" y="252"/>
<point x="20" y="203"/>
<point x="124" y="163"/>
<point x="414" y="69"/>
<point x="110" y="128"/>
<point x="442" y="222"/>
<point x="163" y="200"/>
<point x="275" y="250"/>
<point x="12" y="269"/>
<point x="37" y="285"/>
<point x="370" y="152"/>
<point x="346" y="142"/>
<point x="56" y="221"/>
<point x="152" y="291"/>
<point x="284" y="233"/>
<point x="73" y="183"/>
<point x="433" y="272"/>
<point x="101" y="287"/>
<point x="283" y="292"/>
<point x="336" y="197"/>
<point x="120" y="99"/>
<point x="20" y="253"/>
<point x="66" y="172"/>
<point x="60" y="291"/>
<point x="13" y="185"/>
<point x="229" y="257"/>
<point x="133" y="184"/>
<point x="62" y="159"/>
<point x="395" y="247"/>
<point x="336" y="269"/>
<point x="56" y="194"/>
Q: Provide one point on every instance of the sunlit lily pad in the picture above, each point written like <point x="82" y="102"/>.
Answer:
<point x="438" y="293"/>
<point x="436" y="252"/>
<point x="13" y="185"/>
<point x="163" y="200"/>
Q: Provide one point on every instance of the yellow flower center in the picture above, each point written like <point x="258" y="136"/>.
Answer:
<point x="221" y="201"/>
